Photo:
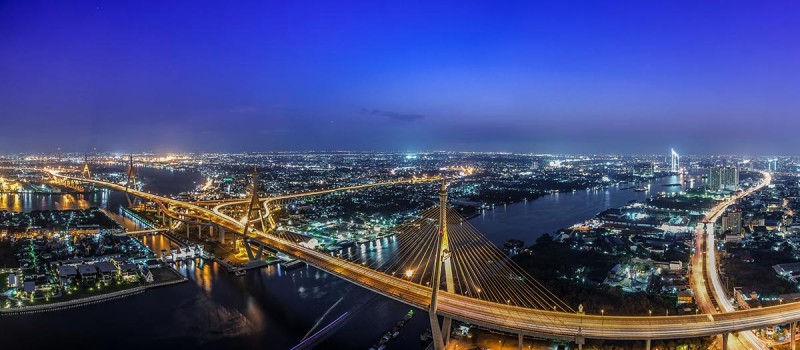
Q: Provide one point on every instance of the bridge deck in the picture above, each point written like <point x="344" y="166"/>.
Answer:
<point x="508" y="318"/>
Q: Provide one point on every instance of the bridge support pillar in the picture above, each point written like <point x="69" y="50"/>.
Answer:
<point x="200" y="232"/>
<point x="447" y="325"/>
<point x="792" y="334"/>
<point x="580" y="340"/>
<point x="260" y="251"/>
<point x="436" y="332"/>
<point x="222" y="235"/>
<point x="248" y="249"/>
<point x="519" y="341"/>
<point x="725" y="341"/>
<point x="187" y="229"/>
<point x="647" y="344"/>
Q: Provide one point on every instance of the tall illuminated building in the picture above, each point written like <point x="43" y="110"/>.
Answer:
<point x="723" y="178"/>
<point x="772" y="164"/>
<point x="732" y="221"/>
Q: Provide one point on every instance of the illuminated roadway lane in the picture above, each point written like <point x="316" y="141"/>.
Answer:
<point x="503" y="317"/>
<point x="225" y="203"/>
<point x="704" y="239"/>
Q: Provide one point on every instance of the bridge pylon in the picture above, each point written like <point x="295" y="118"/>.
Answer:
<point x="443" y="259"/>
<point x="254" y="207"/>
<point x="86" y="173"/>
<point x="131" y="180"/>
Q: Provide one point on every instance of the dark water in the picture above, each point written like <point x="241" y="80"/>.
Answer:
<point x="155" y="180"/>
<point x="271" y="308"/>
<point x="268" y="308"/>
<point x="529" y="220"/>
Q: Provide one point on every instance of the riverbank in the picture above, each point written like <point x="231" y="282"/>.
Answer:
<point x="577" y="268"/>
<point x="527" y="220"/>
<point x="95" y="299"/>
<point x="73" y="303"/>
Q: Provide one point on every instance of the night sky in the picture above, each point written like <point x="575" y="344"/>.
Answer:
<point x="556" y="76"/>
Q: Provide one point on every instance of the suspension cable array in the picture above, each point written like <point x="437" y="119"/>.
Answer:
<point x="481" y="270"/>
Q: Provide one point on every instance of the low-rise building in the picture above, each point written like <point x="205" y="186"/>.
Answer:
<point x="29" y="288"/>
<point x="13" y="281"/>
<point x="146" y="273"/>
<point x="107" y="271"/>
<point x="790" y="271"/>
<point x="128" y="272"/>
<point x="732" y="238"/>
<point x="88" y="273"/>
<point x="67" y="274"/>
<point x="685" y="297"/>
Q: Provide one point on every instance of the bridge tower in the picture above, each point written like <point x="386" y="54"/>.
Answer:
<point x="441" y="335"/>
<point x="131" y="180"/>
<point x="86" y="173"/>
<point x="676" y="161"/>
<point x="254" y="207"/>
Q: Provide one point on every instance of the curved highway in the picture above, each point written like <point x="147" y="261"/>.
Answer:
<point x="503" y="317"/>
<point x="705" y="273"/>
<point x="224" y="203"/>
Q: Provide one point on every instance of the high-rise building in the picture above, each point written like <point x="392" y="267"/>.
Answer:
<point x="732" y="221"/>
<point x="723" y="178"/>
<point x="772" y="164"/>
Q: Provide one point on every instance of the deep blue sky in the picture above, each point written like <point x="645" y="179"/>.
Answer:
<point x="556" y="76"/>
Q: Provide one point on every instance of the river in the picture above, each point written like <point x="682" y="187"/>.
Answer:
<point x="529" y="220"/>
<point x="270" y="308"/>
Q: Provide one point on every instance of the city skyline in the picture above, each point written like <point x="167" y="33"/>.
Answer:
<point x="400" y="175"/>
<point x="556" y="78"/>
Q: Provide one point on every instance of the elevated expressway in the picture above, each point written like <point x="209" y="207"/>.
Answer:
<point x="227" y="202"/>
<point x="508" y="318"/>
<point x="705" y="272"/>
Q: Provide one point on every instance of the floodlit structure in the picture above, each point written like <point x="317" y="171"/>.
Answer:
<point x="676" y="161"/>
<point x="441" y="335"/>
<point x="86" y="172"/>
<point x="131" y="181"/>
<point x="516" y="304"/>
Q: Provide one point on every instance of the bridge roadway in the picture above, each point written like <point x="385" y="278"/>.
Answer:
<point x="509" y="318"/>
<point x="705" y="273"/>
<point x="219" y="204"/>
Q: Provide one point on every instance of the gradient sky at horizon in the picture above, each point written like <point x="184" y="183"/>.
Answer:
<point x="557" y="76"/>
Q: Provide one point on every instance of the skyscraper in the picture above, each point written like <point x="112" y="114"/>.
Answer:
<point x="732" y="221"/>
<point x="772" y="164"/>
<point x="723" y="178"/>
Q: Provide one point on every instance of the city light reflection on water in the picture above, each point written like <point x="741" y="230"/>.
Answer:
<point x="272" y="307"/>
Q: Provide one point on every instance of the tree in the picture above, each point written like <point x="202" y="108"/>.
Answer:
<point x="544" y="240"/>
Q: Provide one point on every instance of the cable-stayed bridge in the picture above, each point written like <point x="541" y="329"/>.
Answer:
<point x="482" y="286"/>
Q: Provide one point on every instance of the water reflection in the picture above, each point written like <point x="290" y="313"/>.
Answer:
<point x="271" y="307"/>
<point x="530" y="219"/>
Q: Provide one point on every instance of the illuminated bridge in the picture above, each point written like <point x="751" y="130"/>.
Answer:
<point x="474" y="281"/>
